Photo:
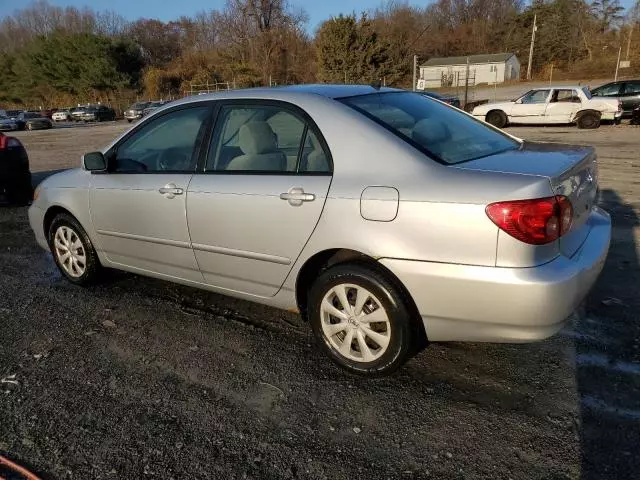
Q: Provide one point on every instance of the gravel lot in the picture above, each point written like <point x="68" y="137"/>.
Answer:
<point x="137" y="378"/>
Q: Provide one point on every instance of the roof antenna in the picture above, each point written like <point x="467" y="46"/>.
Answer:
<point x="376" y="84"/>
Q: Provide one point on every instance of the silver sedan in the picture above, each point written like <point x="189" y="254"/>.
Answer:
<point x="385" y="218"/>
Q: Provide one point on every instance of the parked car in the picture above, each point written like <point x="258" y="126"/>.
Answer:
<point x="35" y="121"/>
<point x="451" y="100"/>
<point x="627" y="91"/>
<point x="8" y="124"/>
<point x="15" y="177"/>
<point x="424" y="224"/>
<point x="552" y="105"/>
<point x="13" y="113"/>
<point x="63" y="115"/>
<point x="78" y="112"/>
<point x="100" y="113"/>
<point x="152" y="106"/>
<point x="136" y="111"/>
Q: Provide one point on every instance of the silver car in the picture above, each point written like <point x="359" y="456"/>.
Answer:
<point x="387" y="219"/>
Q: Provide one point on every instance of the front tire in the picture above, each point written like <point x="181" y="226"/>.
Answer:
<point x="72" y="250"/>
<point x="497" y="118"/>
<point x="361" y="320"/>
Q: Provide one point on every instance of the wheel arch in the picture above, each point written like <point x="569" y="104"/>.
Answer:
<point x="52" y="212"/>
<point x="325" y="259"/>
<point x="580" y="113"/>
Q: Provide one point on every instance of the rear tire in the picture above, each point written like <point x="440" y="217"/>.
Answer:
<point x="588" y="121"/>
<point x="73" y="251"/>
<point x="497" y="118"/>
<point x="381" y="336"/>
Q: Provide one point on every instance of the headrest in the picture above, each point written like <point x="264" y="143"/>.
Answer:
<point x="257" y="138"/>
<point x="429" y="130"/>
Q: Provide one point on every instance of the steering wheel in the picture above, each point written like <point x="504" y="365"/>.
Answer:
<point x="173" y="159"/>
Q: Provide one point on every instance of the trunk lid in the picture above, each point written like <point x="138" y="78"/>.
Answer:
<point x="572" y="171"/>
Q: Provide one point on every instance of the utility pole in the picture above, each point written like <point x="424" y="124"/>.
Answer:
<point x="415" y="71"/>
<point x="618" y="64"/>
<point x="533" y="40"/>
<point x="466" y="85"/>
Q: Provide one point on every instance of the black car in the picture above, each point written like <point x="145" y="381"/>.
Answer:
<point x="15" y="177"/>
<point x="451" y="100"/>
<point x="627" y="91"/>
<point x="34" y="121"/>
<point x="100" y="113"/>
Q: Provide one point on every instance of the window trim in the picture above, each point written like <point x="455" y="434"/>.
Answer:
<point x="202" y="134"/>
<point x="255" y="103"/>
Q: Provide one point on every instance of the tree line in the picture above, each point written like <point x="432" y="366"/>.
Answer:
<point x="53" y="55"/>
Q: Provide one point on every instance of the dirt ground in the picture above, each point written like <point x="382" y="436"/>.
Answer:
<point x="138" y="378"/>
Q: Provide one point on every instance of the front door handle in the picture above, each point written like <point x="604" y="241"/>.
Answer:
<point x="296" y="196"/>
<point x="170" y="190"/>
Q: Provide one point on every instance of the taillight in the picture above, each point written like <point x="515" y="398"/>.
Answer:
<point x="536" y="222"/>
<point x="8" y="142"/>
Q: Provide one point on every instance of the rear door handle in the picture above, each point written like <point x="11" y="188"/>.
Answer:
<point x="170" y="190"/>
<point x="296" y="196"/>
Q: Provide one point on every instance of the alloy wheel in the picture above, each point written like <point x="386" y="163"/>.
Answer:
<point x="70" y="251"/>
<point x="355" y="323"/>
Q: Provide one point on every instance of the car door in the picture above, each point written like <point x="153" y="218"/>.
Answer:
<point x="563" y="105"/>
<point x="630" y="96"/>
<point x="530" y="108"/>
<point x="260" y="195"/>
<point x="138" y="207"/>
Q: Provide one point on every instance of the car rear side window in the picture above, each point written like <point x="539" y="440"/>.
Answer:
<point x="264" y="139"/>
<point x="444" y="133"/>
<point x="632" y="88"/>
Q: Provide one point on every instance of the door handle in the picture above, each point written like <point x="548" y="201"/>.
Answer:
<point x="296" y="196"/>
<point x="170" y="190"/>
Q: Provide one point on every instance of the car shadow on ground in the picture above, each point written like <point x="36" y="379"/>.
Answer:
<point x="608" y="356"/>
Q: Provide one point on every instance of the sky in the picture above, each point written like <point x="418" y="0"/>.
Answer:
<point x="165" y="10"/>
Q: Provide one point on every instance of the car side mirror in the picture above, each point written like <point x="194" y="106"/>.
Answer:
<point x="94" y="162"/>
<point x="519" y="101"/>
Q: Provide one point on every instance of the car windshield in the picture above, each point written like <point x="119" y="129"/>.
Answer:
<point x="587" y="93"/>
<point x="32" y="115"/>
<point x="442" y="132"/>
<point x="138" y="106"/>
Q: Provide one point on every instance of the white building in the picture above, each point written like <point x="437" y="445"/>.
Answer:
<point x="451" y="71"/>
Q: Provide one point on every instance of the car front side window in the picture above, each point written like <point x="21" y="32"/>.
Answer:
<point x="611" y="90"/>
<point x="536" y="96"/>
<point x="164" y="144"/>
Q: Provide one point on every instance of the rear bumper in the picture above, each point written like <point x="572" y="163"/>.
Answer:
<point x="493" y="304"/>
<point x="611" y="116"/>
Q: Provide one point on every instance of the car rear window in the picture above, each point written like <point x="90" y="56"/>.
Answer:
<point x="442" y="132"/>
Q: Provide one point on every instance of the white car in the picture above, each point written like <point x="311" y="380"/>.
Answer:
<point x="549" y="105"/>
<point x="61" y="116"/>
